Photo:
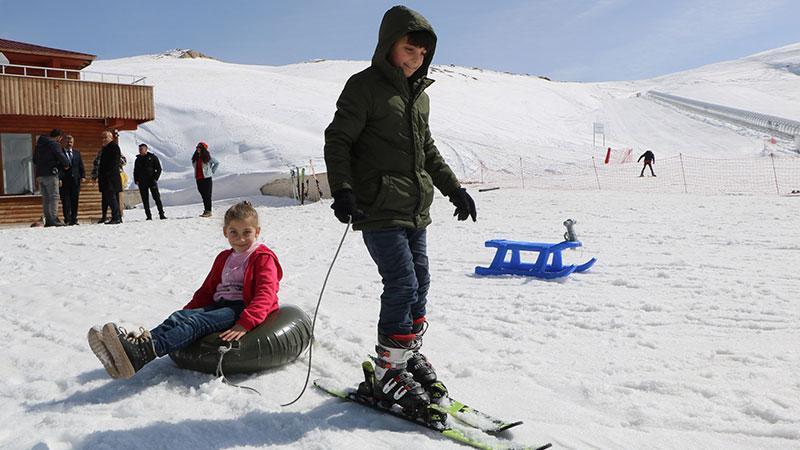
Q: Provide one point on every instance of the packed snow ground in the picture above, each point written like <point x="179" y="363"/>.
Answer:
<point x="683" y="335"/>
<point x="265" y="119"/>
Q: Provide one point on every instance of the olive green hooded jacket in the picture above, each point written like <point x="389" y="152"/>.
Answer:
<point x="379" y="144"/>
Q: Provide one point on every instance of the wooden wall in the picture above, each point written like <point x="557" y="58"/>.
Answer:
<point x="27" y="209"/>
<point x="85" y="131"/>
<point x="80" y="99"/>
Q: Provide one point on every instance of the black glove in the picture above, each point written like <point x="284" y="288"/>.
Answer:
<point x="344" y="206"/>
<point x="465" y="206"/>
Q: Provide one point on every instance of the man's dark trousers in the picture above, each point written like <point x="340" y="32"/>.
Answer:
<point x="146" y="199"/>
<point x="70" y="193"/>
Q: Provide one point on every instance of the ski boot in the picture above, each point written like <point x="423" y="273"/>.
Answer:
<point x="421" y="369"/>
<point x="392" y="385"/>
<point x="130" y="351"/>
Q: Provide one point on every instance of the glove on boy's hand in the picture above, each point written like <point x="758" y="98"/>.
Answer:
<point x="344" y="206"/>
<point x="465" y="206"/>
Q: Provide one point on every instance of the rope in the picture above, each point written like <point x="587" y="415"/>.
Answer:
<point x="222" y="350"/>
<point x="316" y="310"/>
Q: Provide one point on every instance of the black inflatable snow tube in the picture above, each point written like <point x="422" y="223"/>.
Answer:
<point x="279" y="340"/>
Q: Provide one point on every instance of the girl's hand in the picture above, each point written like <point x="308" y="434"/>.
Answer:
<point x="234" y="334"/>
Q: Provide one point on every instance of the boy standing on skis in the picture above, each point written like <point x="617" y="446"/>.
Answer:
<point x="382" y="168"/>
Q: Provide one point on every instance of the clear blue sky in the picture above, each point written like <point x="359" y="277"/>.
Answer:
<point x="565" y="39"/>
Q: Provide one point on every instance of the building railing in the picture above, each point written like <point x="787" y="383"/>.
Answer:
<point x="70" y="74"/>
<point x="778" y="126"/>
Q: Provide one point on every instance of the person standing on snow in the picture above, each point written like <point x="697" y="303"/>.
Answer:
<point x="50" y="161"/>
<point x="204" y="167"/>
<point x="649" y="160"/>
<point x="382" y="167"/>
<point x="108" y="178"/>
<point x="146" y="171"/>
<point x="71" y="179"/>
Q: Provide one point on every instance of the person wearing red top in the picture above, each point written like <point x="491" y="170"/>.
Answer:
<point x="237" y="295"/>
<point x="204" y="167"/>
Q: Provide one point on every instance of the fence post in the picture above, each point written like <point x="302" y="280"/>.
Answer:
<point x="596" y="177"/>
<point x="774" y="173"/>
<point x="521" y="173"/>
<point x="683" y="174"/>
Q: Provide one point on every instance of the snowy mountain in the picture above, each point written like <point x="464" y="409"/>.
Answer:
<point x="264" y="119"/>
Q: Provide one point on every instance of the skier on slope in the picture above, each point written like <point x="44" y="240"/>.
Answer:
<point x="649" y="160"/>
<point x="382" y="167"/>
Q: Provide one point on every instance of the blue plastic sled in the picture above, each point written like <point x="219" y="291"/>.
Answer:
<point x="539" y="269"/>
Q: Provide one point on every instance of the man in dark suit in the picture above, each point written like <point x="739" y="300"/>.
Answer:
<point x="146" y="171"/>
<point x="108" y="178"/>
<point x="71" y="179"/>
<point x="49" y="161"/>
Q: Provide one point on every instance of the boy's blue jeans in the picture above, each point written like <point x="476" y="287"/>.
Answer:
<point x="188" y="325"/>
<point x="402" y="260"/>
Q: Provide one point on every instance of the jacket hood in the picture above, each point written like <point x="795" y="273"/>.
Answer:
<point x="397" y="22"/>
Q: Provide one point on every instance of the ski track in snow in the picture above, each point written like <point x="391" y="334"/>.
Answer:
<point x="682" y="335"/>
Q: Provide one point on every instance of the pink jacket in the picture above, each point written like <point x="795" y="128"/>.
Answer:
<point x="261" y="283"/>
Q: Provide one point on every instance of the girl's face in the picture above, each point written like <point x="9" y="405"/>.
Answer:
<point x="241" y="234"/>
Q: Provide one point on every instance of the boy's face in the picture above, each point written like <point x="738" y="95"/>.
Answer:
<point x="407" y="57"/>
<point x="241" y="234"/>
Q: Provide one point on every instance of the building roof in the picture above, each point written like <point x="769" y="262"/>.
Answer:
<point x="22" y="47"/>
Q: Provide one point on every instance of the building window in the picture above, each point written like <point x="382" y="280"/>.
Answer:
<point x="17" y="150"/>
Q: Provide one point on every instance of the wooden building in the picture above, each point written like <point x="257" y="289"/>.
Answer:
<point x="43" y="88"/>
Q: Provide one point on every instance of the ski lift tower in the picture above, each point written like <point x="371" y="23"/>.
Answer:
<point x="598" y="128"/>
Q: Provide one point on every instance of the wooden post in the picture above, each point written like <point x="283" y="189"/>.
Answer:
<point x="596" y="176"/>
<point x="683" y="173"/>
<point x="774" y="173"/>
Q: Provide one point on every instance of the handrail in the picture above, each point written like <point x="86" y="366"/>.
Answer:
<point x="786" y="128"/>
<point x="82" y="75"/>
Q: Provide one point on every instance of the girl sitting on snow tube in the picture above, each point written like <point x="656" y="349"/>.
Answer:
<point x="238" y="294"/>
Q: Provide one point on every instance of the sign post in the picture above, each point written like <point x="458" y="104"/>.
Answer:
<point x="598" y="128"/>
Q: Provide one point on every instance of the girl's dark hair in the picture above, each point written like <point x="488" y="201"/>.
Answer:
<point x="241" y="211"/>
<point x="204" y="154"/>
<point x="421" y="38"/>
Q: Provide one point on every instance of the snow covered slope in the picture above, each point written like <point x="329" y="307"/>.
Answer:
<point x="683" y="335"/>
<point x="261" y="119"/>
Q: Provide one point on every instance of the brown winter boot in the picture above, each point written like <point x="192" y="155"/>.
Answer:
<point x="130" y="351"/>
